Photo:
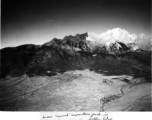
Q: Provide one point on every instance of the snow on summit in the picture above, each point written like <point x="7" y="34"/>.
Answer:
<point x="116" y="34"/>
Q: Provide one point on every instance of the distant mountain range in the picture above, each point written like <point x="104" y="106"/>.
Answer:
<point x="113" y="35"/>
<point x="105" y="52"/>
<point x="119" y="35"/>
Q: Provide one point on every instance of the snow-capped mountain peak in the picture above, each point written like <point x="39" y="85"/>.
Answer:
<point x="116" y="34"/>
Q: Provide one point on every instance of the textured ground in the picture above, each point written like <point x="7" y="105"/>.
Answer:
<point x="75" y="91"/>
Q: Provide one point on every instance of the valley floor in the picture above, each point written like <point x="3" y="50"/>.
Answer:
<point x="75" y="91"/>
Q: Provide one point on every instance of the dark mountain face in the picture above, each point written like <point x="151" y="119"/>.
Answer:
<point x="14" y="61"/>
<point x="71" y="53"/>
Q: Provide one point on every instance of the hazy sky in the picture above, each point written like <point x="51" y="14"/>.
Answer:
<point x="38" y="21"/>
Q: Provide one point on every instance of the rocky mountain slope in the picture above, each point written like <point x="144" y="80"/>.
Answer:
<point x="85" y="72"/>
<point x="77" y="52"/>
<point x="79" y="90"/>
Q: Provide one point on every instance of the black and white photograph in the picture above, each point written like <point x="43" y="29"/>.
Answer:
<point x="75" y="56"/>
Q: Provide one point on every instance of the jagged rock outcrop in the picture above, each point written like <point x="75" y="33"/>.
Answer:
<point x="70" y="53"/>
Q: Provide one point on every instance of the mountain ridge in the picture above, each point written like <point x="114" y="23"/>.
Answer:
<point x="69" y="53"/>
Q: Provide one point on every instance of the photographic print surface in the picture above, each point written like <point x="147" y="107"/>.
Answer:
<point x="75" y="55"/>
